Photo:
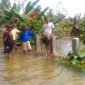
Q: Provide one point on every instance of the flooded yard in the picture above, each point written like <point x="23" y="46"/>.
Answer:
<point x="35" y="69"/>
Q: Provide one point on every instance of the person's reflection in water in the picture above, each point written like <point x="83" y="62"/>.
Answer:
<point x="16" y="70"/>
<point x="9" y="70"/>
<point x="47" y="70"/>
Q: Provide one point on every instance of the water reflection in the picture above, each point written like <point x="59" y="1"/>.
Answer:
<point x="9" y="71"/>
<point x="47" y="69"/>
<point x="15" y="70"/>
<point x="31" y="69"/>
<point x="78" y="79"/>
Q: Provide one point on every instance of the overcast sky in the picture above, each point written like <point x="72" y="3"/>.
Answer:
<point x="70" y="7"/>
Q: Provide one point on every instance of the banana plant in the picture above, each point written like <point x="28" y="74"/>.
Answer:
<point x="30" y="5"/>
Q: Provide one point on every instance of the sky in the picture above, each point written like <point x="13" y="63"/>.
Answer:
<point x="68" y="7"/>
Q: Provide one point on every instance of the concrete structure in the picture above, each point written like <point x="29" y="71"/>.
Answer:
<point x="37" y="43"/>
<point x="53" y="45"/>
<point x="75" y="44"/>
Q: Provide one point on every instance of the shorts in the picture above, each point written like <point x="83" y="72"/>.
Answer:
<point x="46" y="40"/>
<point x="8" y="49"/>
<point x="26" y="45"/>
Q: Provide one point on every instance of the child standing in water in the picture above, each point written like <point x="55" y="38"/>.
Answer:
<point x="8" y="41"/>
<point x="24" y="38"/>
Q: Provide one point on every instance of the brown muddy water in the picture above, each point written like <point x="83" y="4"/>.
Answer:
<point x="32" y="69"/>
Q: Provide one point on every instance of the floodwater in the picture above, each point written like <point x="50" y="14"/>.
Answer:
<point x="35" y="69"/>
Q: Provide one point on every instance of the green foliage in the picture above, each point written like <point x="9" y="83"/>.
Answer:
<point x="14" y="12"/>
<point x="9" y="15"/>
<point x="6" y="4"/>
<point x="42" y="13"/>
<point x="82" y="37"/>
<point x="82" y="28"/>
<point x="60" y="17"/>
<point x="27" y="8"/>
<point x="36" y="26"/>
<point x="66" y="24"/>
<point x="30" y="5"/>
<point x="16" y="7"/>
<point x="73" y="57"/>
<point x="9" y="12"/>
<point x="77" y="67"/>
<point x="75" y="60"/>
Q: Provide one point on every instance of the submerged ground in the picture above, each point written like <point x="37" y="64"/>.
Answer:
<point x="35" y="69"/>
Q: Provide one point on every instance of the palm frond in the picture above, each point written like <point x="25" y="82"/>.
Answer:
<point x="30" y="5"/>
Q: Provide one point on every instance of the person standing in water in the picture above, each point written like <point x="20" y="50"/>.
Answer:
<point x="48" y="30"/>
<point x="25" y="39"/>
<point x="15" y="33"/>
<point x="8" y="41"/>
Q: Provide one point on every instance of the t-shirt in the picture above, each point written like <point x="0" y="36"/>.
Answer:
<point x="25" y="35"/>
<point x="14" y="33"/>
<point x="47" y="28"/>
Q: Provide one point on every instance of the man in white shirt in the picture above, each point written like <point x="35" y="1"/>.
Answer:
<point x="48" y="29"/>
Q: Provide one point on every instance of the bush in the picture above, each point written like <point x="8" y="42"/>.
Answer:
<point x="74" y="57"/>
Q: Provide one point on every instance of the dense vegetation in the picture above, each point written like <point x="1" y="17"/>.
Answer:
<point x="33" y="15"/>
